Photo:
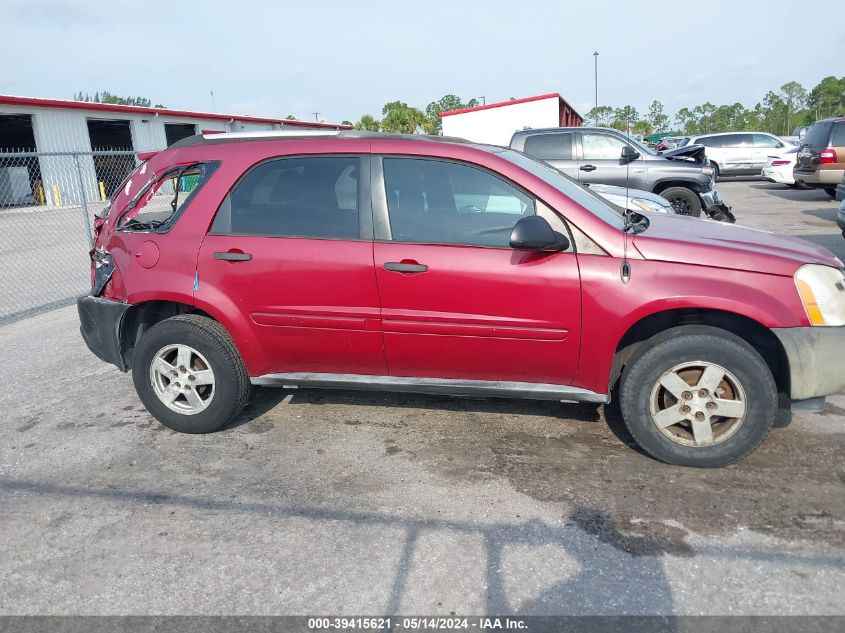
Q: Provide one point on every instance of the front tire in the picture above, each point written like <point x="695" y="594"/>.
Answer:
<point x="189" y="374"/>
<point x="698" y="396"/>
<point x="684" y="201"/>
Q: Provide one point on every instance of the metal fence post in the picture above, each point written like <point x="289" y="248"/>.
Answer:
<point x="89" y="229"/>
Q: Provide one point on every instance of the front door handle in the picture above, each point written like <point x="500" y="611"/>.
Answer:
<point x="405" y="267"/>
<point x="233" y="256"/>
<point x="587" y="168"/>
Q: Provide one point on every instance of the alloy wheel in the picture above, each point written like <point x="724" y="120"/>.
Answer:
<point x="698" y="404"/>
<point x="182" y="379"/>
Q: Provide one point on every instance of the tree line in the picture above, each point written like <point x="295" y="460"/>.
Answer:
<point x="400" y="118"/>
<point x="779" y="112"/>
<point x="107" y="97"/>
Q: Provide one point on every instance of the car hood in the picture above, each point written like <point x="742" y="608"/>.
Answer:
<point x="688" y="240"/>
<point x="694" y="153"/>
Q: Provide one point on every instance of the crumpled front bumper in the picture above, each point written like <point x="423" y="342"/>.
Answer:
<point x="714" y="206"/>
<point x="815" y="354"/>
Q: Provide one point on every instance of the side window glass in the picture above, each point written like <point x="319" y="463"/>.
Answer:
<point x="601" y="147"/>
<point x="838" y="139"/>
<point x="315" y="196"/>
<point x="549" y="146"/>
<point x="440" y="202"/>
<point x="711" y="141"/>
<point x="764" y="140"/>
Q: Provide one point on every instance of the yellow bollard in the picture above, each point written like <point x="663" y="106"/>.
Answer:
<point x="102" y="191"/>
<point x="39" y="193"/>
<point x="57" y="197"/>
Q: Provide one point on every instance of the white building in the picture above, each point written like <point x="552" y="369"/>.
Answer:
<point x="56" y="126"/>
<point x="495" y="123"/>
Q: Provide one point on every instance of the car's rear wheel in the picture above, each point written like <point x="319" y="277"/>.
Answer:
<point x="831" y="191"/>
<point x="683" y="200"/>
<point x="698" y="396"/>
<point x="189" y="374"/>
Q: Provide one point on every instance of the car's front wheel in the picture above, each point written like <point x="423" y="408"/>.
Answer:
<point x="684" y="201"/>
<point x="698" y="396"/>
<point x="189" y="375"/>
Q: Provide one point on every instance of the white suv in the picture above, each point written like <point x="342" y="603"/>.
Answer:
<point x="735" y="153"/>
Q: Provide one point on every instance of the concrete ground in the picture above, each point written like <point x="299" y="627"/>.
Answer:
<point x="338" y="502"/>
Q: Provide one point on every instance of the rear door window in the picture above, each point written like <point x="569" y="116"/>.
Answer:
<point x="736" y="140"/>
<point x="313" y="196"/>
<point x="710" y="141"/>
<point x="549" y="146"/>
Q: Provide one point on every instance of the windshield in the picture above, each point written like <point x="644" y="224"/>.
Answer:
<point x="599" y="207"/>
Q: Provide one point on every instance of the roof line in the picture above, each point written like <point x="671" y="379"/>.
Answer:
<point x="129" y="109"/>
<point x="499" y="104"/>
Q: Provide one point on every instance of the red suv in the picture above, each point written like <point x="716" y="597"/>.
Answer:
<point x="417" y="264"/>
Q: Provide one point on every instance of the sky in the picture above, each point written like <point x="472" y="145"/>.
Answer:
<point x="345" y="59"/>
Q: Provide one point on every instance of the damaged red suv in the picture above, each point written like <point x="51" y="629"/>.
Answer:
<point x="426" y="265"/>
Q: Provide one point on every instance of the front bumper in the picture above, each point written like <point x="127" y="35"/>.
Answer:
<point x="714" y="206"/>
<point x="815" y="360"/>
<point x="840" y="216"/>
<point x="100" y="322"/>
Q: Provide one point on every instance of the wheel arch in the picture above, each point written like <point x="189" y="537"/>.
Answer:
<point x="757" y="335"/>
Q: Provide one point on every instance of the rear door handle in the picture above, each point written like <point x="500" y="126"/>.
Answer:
<point x="405" y="267"/>
<point x="587" y="168"/>
<point x="233" y="256"/>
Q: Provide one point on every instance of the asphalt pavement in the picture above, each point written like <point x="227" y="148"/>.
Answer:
<point x="345" y="502"/>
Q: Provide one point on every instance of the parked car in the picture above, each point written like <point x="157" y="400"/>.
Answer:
<point x="739" y="153"/>
<point x="605" y="156"/>
<point x="821" y="155"/>
<point x="404" y="263"/>
<point x="670" y="142"/>
<point x="633" y="199"/>
<point x="839" y="194"/>
<point x="779" y="168"/>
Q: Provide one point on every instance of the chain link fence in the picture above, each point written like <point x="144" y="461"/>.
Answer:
<point x="47" y="204"/>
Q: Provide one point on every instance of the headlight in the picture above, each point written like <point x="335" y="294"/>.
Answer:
<point x="650" y="206"/>
<point x="822" y="291"/>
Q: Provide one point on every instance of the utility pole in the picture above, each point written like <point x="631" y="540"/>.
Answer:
<point x="213" y="107"/>
<point x="317" y="116"/>
<point x="596" y="65"/>
<point x="483" y="100"/>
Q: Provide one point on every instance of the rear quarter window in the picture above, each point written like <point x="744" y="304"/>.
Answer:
<point x="818" y="134"/>
<point x="838" y="139"/>
<point x="557" y="146"/>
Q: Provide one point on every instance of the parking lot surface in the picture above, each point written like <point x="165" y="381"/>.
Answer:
<point x="369" y="503"/>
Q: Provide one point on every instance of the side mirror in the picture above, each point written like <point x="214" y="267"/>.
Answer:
<point x="629" y="153"/>
<point x="780" y="145"/>
<point x="535" y="233"/>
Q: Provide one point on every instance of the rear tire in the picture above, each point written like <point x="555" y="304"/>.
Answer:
<point x="683" y="200"/>
<point x="701" y="437"/>
<point x="189" y="374"/>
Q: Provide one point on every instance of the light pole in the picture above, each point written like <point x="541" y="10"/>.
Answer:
<point x="596" y="65"/>
<point x="317" y="116"/>
<point x="483" y="100"/>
